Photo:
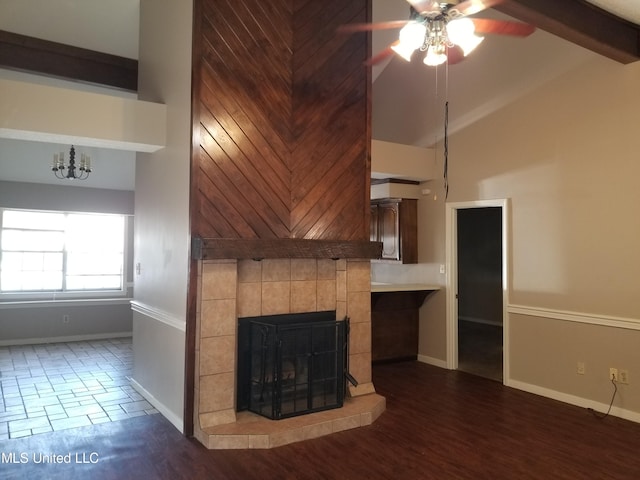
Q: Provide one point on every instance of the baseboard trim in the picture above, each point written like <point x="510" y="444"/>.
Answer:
<point x="70" y="338"/>
<point x="574" y="400"/>
<point x="161" y="407"/>
<point x="436" y="362"/>
<point x="159" y="315"/>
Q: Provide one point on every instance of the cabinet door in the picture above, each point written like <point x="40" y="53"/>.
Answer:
<point x="389" y="230"/>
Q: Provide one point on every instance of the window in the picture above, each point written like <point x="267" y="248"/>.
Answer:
<point x="61" y="252"/>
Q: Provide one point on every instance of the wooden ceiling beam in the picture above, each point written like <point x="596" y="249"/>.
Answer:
<point x="581" y="23"/>
<point x="20" y="52"/>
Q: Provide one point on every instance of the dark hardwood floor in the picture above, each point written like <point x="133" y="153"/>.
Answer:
<point x="438" y="425"/>
<point x="480" y="349"/>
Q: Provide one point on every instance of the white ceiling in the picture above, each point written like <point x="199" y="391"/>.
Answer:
<point x="108" y="26"/>
<point x="502" y="68"/>
<point x="31" y="162"/>
<point x="627" y="9"/>
<point x="408" y="99"/>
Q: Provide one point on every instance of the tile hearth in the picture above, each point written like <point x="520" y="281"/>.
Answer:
<point x="253" y="431"/>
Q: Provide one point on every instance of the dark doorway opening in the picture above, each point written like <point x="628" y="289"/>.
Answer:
<point x="480" y="291"/>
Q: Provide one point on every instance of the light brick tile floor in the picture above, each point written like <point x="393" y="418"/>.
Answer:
<point x="52" y="387"/>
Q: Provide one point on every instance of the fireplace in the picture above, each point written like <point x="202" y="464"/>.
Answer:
<point x="279" y="207"/>
<point x="231" y="290"/>
<point x="291" y="364"/>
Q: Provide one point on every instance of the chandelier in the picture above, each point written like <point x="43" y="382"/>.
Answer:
<point x="74" y="172"/>
<point x="436" y="35"/>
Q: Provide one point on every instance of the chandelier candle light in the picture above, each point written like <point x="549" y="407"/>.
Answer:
<point x="83" y="170"/>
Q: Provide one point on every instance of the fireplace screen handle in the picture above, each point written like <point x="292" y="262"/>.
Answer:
<point x="350" y="378"/>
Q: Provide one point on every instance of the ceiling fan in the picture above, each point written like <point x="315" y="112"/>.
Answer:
<point x="441" y="29"/>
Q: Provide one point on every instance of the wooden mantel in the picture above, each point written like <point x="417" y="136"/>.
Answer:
<point x="258" y="249"/>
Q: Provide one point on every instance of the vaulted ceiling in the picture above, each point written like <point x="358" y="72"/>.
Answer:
<point x="408" y="98"/>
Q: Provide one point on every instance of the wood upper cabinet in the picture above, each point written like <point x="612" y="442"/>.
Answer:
<point x="394" y="222"/>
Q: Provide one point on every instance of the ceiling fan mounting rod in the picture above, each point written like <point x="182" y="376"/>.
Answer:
<point x="436" y="34"/>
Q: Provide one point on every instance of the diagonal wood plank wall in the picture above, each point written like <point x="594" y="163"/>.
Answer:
<point x="281" y="120"/>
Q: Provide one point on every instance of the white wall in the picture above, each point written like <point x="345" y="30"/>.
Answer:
<point x="36" y="112"/>
<point x="42" y="322"/>
<point x="566" y="156"/>
<point x="389" y="160"/>
<point x="162" y="208"/>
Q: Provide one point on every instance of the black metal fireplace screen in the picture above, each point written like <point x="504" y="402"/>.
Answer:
<point x="291" y="364"/>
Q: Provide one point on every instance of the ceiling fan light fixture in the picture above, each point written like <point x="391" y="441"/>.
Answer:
<point x="403" y="51"/>
<point x="461" y="31"/>
<point x="411" y="38"/>
<point x="434" y="57"/>
<point x="470" y="44"/>
<point x="412" y="34"/>
<point x="441" y="30"/>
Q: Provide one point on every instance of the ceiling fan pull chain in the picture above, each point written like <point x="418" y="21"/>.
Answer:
<point x="446" y="150"/>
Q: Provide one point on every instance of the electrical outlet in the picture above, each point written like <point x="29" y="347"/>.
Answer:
<point x="580" y="368"/>
<point x="442" y="268"/>
<point x="624" y="376"/>
<point x="613" y="374"/>
<point x="65" y="318"/>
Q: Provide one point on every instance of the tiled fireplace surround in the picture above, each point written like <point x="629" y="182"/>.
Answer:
<point x="231" y="289"/>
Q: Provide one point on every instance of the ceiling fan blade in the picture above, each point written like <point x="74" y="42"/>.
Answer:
<point x="425" y="6"/>
<point x="382" y="55"/>
<point x="454" y="55"/>
<point x="367" y="27"/>
<point x="503" y="27"/>
<point x="469" y="7"/>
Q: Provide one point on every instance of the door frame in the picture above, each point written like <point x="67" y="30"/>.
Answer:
<point x="451" y="256"/>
